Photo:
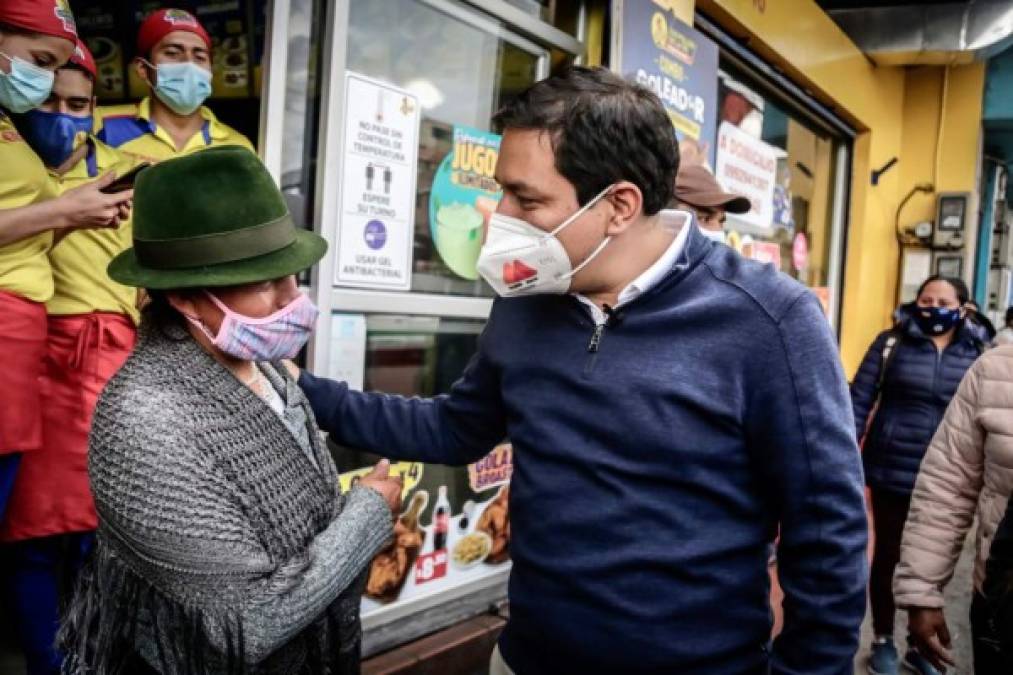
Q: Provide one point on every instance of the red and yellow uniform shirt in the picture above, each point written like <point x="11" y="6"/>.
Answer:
<point x="130" y="129"/>
<point x="79" y="260"/>
<point x="24" y="265"/>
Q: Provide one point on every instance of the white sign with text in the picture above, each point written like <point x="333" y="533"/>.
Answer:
<point x="748" y="166"/>
<point x="376" y="225"/>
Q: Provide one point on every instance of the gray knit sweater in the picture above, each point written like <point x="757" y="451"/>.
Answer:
<point x="221" y="547"/>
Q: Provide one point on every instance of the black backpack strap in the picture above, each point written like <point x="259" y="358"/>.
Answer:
<point x="889" y="353"/>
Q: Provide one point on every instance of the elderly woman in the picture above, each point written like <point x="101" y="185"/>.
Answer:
<point x="224" y="543"/>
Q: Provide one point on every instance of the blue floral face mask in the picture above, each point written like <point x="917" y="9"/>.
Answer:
<point x="936" y="320"/>
<point x="53" y="136"/>
<point x="26" y="87"/>
<point x="182" y="86"/>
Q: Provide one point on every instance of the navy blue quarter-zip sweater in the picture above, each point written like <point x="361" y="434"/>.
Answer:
<point x="652" y="473"/>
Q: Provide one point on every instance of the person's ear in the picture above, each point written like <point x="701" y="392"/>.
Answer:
<point x="627" y="206"/>
<point x="144" y="71"/>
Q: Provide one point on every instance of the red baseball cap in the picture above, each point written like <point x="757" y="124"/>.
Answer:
<point x="82" y="58"/>
<point x="164" y="21"/>
<point x="48" y="17"/>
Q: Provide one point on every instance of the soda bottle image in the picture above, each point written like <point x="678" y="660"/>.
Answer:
<point x="441" y="520"/>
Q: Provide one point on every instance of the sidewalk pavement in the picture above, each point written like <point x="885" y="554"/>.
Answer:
<point x="958" y="606"/>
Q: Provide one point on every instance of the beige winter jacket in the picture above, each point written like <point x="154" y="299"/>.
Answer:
<point x="967" y="471"/>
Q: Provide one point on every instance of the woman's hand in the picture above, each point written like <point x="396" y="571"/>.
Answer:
<point x="389" y="487"/>
<point x="87" y="207"/>
<point x="931" y="636"/>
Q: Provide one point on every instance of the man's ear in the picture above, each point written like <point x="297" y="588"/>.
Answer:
<point x="627" y="206"/>
<point x="144" y="72"/>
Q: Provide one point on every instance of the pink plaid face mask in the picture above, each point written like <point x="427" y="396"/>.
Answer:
<point x="278" y="336"/>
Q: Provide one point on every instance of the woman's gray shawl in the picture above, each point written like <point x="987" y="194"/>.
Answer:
<point x="221" y="548"/>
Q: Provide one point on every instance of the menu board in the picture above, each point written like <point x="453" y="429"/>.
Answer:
<point x="441" y="541"/>
<point x="101" y="25"/>
<point x="232" y="34"/>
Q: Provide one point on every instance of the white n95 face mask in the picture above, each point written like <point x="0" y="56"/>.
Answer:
<point x="717" y="236"/>
<point x="520" y="259"/>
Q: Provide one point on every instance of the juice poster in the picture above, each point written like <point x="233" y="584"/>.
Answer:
<point x="464" y="196"/>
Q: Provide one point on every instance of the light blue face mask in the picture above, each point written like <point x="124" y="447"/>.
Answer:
<point x="182" y="86"/>
<point x="27" y="86"/>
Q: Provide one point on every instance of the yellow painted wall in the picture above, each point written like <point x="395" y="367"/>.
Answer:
<point x="897" y="115"/>
<point x="954" y="167"/>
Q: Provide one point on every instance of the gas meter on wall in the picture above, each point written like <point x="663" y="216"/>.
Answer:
<point x="951" y="220"/>
<point x="937" y="247"/>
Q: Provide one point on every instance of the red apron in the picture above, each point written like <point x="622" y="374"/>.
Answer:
<point x="51" y="493"/>
<point x="23" y="345"/>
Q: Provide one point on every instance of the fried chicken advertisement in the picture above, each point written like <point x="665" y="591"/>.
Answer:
<point x="495" y="522"/>
<point x="391" y="566"/>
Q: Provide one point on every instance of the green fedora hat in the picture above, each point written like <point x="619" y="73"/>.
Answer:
<point x="213" y="218"/>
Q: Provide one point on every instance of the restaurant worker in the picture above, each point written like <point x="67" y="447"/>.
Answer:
<point x="36" y="37"/>
<point x="50" y="516"/>
<point x="669" y="402"/>
<point x="174" y="58"/>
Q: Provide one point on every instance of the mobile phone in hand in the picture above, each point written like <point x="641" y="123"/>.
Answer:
<point x="126" y="181"/>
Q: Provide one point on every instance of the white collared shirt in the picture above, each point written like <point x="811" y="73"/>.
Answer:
<point x="653" y="275"/>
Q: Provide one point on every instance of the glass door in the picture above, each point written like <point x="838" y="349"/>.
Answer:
<point x="463" y="67"/>
<point x="462" y="63"/>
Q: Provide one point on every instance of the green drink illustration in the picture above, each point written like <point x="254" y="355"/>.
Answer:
<point x="459" y="237"/>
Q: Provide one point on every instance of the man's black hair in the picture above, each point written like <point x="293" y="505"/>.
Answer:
<point x="604" y="129"/>
<point x="81" y="69"/>
<point x="1009" y="316"/>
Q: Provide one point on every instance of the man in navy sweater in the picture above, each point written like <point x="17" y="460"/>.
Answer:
<point x="671" y="405"/>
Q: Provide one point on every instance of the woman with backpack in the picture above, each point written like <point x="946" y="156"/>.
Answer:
<point x="899" y="395"/>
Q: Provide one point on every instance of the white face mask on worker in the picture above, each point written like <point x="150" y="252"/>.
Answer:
<point x="520" y="259"/>
<point x="717" y="236"/>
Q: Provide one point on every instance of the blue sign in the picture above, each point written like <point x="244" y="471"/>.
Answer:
<point x="678" y="64"/>
<point x="375" y="235"/>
